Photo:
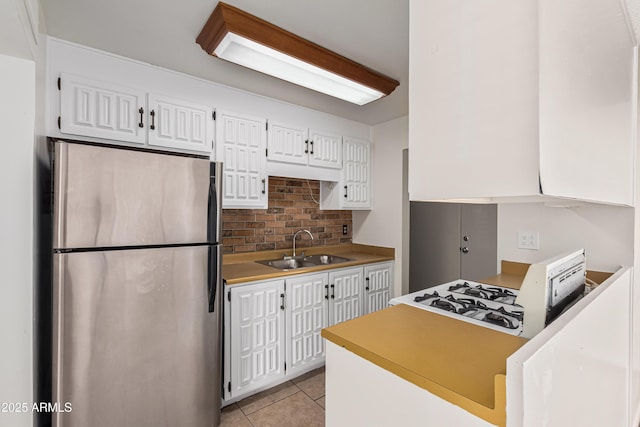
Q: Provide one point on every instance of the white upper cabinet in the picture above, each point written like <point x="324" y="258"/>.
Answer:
<point x="300" y="152"/>
<point x="240" y="146"/>
<point x="298" y="145"/>
<point x="353" y="189"/>
<point x="101" y="109"/>
<point x="325" y="149"/>
<point x="356" y="181"/>
<point x="98" y="109"/>
<point x="180" y="124"/>
<point x="287" y="143"/>
<point x="518" y="100"/>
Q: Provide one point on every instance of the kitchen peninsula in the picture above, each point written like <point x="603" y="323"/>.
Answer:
<point x="455" y="373"/>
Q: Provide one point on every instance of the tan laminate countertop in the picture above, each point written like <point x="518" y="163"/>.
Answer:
<point x="241" y="268"/>
<point x="462" y="363"/>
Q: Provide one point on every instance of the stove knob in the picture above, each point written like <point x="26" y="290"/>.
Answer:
<point x="464" y="250"/>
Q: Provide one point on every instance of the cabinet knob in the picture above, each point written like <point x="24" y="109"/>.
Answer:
<point x="464" y="250"/>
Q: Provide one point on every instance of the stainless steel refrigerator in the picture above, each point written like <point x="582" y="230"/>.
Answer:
<point x="136" y="306"/>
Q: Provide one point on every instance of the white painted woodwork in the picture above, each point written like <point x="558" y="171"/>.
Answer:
<point x="18" y="316"/>
<point x="99" y="109"/>
<point x="353" y="190"/>
<point x="240" y="146"/>
<point x="325" y="149"/>
<point x="588" y="71"/>
<point x="287" y="143"/>
<point x="306" y="314"/>
<point x="67" y="57"/>
<point x="378" y="285"/>
<point x="577" y="370"/>
<point x="294" y="333"/>
<point x="356" y="180"/>
<point x="257" y="333"/>
<point x="345" y="295"/>
<point x="360" y="393"/>
<point x="536" y="100"/>
<point x="300" y="152"/>
<point x="179" y="124"/>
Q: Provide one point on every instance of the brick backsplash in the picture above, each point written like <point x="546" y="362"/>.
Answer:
<point x="291" y="208"/>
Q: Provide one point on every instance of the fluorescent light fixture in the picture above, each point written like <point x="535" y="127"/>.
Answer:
<point x="244" y="39"/>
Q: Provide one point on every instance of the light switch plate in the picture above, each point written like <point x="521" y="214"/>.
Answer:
<point x="529" y="240"/>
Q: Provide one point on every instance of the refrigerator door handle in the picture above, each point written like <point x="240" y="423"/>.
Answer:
<point x="214" y="203"/>
<point x="215" y="275"/>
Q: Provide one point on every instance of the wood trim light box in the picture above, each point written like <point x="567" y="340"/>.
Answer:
<point x="244" y="39"/>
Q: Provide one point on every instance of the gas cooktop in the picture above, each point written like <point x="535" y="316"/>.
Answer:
<point x="473" y="302"/>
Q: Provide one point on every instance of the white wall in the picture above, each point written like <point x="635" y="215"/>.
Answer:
<point x="605" y="232"/>
<point x="383" y="225"/>
<point x="17" y="113"/>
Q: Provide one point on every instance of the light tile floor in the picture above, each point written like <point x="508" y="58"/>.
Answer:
<point x="299" y="402"/>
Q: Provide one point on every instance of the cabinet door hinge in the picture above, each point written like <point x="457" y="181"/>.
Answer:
<point x="59" y="127"/>
<point x="59" y="83"/>
<point x="229" y="387"/>
<point x="213" y="114"/>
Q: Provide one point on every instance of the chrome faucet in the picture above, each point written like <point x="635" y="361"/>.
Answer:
<point x="294" y="239"/>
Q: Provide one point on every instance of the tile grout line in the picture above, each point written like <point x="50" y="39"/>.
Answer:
<point x="275" y="401"/>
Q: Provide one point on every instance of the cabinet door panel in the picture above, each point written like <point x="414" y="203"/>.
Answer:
<point x="100" y="109"/>
<point x="378" y="284"/>
<point x="356" y="174"/>
<point x="306" y="316"/>
<point x="325" y="149"/>
<point x="287" y="143"/>
<point x="240" y="141"/>
<point x="256" y="335"/>
<point x="346" y="295"/>
<point x="180" y="124"/>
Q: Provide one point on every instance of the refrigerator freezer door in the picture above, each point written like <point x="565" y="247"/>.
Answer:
<point x="134" y="341"/>
<point x="115" y="197"/>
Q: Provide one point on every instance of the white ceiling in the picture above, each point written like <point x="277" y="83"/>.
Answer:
<point x="374" y="33"/>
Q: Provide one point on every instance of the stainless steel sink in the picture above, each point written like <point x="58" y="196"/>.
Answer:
<point x="287" y="264"/>
<point x="325" y="259"/>
<point x="299" y="262"/>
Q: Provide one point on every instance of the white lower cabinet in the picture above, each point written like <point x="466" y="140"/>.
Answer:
<point x="377" y="286"/>
<point x="273" y="327"/>
<point x="254" y="336"/>
<point x="306" y="314"/>
<point x="345" y="295"/>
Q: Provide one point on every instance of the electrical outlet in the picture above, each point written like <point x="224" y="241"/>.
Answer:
<point x="529" y="240"/>
<point x="344" y="229"/>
